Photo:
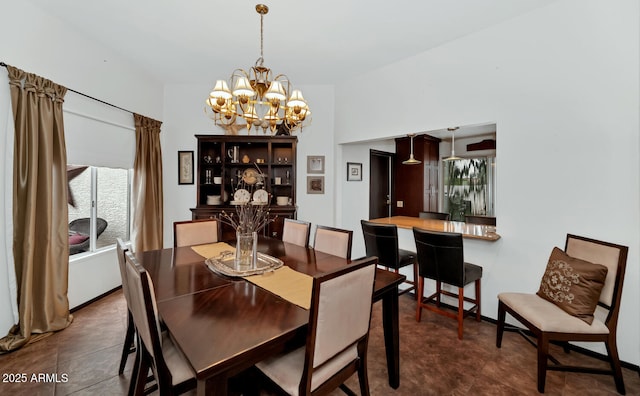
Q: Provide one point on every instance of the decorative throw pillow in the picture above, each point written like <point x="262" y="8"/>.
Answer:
<point x="573" y="284"/>
<point x="77" y="238"/>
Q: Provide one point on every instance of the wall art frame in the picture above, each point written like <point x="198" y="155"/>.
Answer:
<point x="185" y="167"/>
<point x="354" y="171"/>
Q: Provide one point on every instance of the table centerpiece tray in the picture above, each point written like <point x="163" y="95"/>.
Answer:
<point x="226" y="264"/>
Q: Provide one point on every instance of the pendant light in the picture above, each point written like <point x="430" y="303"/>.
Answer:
<point x="452" y="157"/>
<point x="411" y="160"/>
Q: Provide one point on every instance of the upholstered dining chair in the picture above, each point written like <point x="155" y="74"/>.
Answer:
<point x="195" y="232"/>
<point x="296" y="232"/>
<point x="129" y="344"/>
<point x="597" y="290"/>
<point x="478" y="219"/>
<point x="434" y="215"/>
<point x="156" y="350"/>
<point x="441" y="258"/>
<point x="381" y="240"/>
<point x="334" y="241"/>
<point x="337" y="336"/>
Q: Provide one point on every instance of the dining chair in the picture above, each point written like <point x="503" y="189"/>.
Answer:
<point x="553" y="320"/>
<point x="296" y="232"/>
<point x="335" y="241"/>
<point x="381" y="240"/>
<point x="196" y="232"/>
<point x="434" y="215"/>
<point x="129" y="341"/>
<point x="478" y="219"/>
<point x="441" y="258"/>
<point x="337" y="335"/>
<point x="156" y="350"/>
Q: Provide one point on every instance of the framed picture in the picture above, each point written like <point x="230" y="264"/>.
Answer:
<point x="315" y="184"/>
<point x="315" y="163"/>
<point x="354" y="171"/>
<point x="185" y="167"/>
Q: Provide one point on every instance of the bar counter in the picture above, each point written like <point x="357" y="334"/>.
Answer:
<point x="473" y="231"/>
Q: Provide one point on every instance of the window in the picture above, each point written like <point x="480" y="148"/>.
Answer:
<point x="99" y="210"/>
<point x="100" y="142"/>
<point x="469" y="187"/>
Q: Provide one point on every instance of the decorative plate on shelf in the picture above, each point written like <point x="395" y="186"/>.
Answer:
<point x="261" y="196"/>
<point x="250" y="176"/>
<point x="242" y="196"/>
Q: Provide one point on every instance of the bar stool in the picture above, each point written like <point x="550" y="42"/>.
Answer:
<point x="381" y="240"/>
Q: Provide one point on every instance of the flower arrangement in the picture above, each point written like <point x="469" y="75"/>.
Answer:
<point x="247" y="218"/>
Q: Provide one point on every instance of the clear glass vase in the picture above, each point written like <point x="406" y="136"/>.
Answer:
<point x="246" y="251"/>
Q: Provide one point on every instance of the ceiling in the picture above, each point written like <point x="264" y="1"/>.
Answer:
<point x="313" y="42"/>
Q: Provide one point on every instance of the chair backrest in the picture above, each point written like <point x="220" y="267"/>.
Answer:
<point x="144" y="310"/>
<point x="334" y="241"/>
<point x="195" y="232"/>
<point x="434" y="215"/>
<point x="614" y="257"/>
<point x="440" y="256"/>
<point x="340" y="315"/>
<point x="483" y="220"/>
<point x="121" y="248"/>
<point x="381" y="240"/>
<point x="296" y="232"/>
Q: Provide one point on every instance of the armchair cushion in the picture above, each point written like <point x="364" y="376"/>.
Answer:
<point x="77" y="238"/>
<point x="574" y="285"/>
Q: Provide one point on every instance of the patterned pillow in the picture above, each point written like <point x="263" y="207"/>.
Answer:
<point x="573" y="284"/>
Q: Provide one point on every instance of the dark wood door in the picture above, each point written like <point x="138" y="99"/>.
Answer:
<point x="380" y="184"/>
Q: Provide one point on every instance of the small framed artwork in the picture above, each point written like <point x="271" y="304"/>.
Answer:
<point x="315" y="184"/>
<point x="185" y="167"/>
<point x="354" y="171"/>
<point x="315" y="163"/>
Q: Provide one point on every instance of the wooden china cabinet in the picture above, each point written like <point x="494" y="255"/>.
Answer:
<point x="219" y="176"/>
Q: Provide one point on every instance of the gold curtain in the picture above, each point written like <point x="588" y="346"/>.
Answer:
<point x="40" y="213"/>
<point x="147" y="186"/>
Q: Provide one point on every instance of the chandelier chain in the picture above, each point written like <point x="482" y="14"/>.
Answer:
<point x="261" y="39"/>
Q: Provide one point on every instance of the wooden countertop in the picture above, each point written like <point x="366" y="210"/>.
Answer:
<point x="474" y="231"/>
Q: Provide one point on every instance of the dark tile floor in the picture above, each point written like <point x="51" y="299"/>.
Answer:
<point x="433" y="360"/>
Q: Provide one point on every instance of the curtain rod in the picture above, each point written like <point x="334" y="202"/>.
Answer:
<point x="87" y="96"/>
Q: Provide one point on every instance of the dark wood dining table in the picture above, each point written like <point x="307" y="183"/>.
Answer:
<point x="225" y="325"/>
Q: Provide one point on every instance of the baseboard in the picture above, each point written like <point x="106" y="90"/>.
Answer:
<point x="76" y="308"/>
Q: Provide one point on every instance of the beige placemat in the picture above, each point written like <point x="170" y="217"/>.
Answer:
<point x="212" y="249"/>
<point x="291" y="285"/>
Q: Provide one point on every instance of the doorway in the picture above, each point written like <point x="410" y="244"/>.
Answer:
<point x="380" y="184"/>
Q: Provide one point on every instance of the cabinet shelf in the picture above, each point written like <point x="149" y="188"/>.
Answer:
<point x="272" y="149"/>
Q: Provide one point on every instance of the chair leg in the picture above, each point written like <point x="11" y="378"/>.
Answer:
<point x="128" y="346"/>
<point x="500" y="325"/>
<point x="140" y="380"/>
<point x="478" y="314"/>
<point x="419" y="302"/>
<point x="438" y="293"/>
<point x="614" y="361"/>
<point x="460" y="311"/>
<point x="415" y="279"/>
<point x="543" y="354"/>
<point x="362" y="378"/>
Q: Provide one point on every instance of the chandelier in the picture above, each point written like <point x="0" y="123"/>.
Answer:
<point x="264" y="102"/>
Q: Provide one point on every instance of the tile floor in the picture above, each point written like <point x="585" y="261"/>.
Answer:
<point x="433" y="360"/>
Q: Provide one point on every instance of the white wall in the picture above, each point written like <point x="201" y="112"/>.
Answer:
<point x="561" y="83"/>
<point x="184" y="118"/>
<point x="55" y="51"/>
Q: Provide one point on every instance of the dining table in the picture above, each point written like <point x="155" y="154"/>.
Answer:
<point x="224" y="325"/>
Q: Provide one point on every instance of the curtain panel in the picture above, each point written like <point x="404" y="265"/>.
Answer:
<point x="147" y="233"/>
<point x="40" y="213"/>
